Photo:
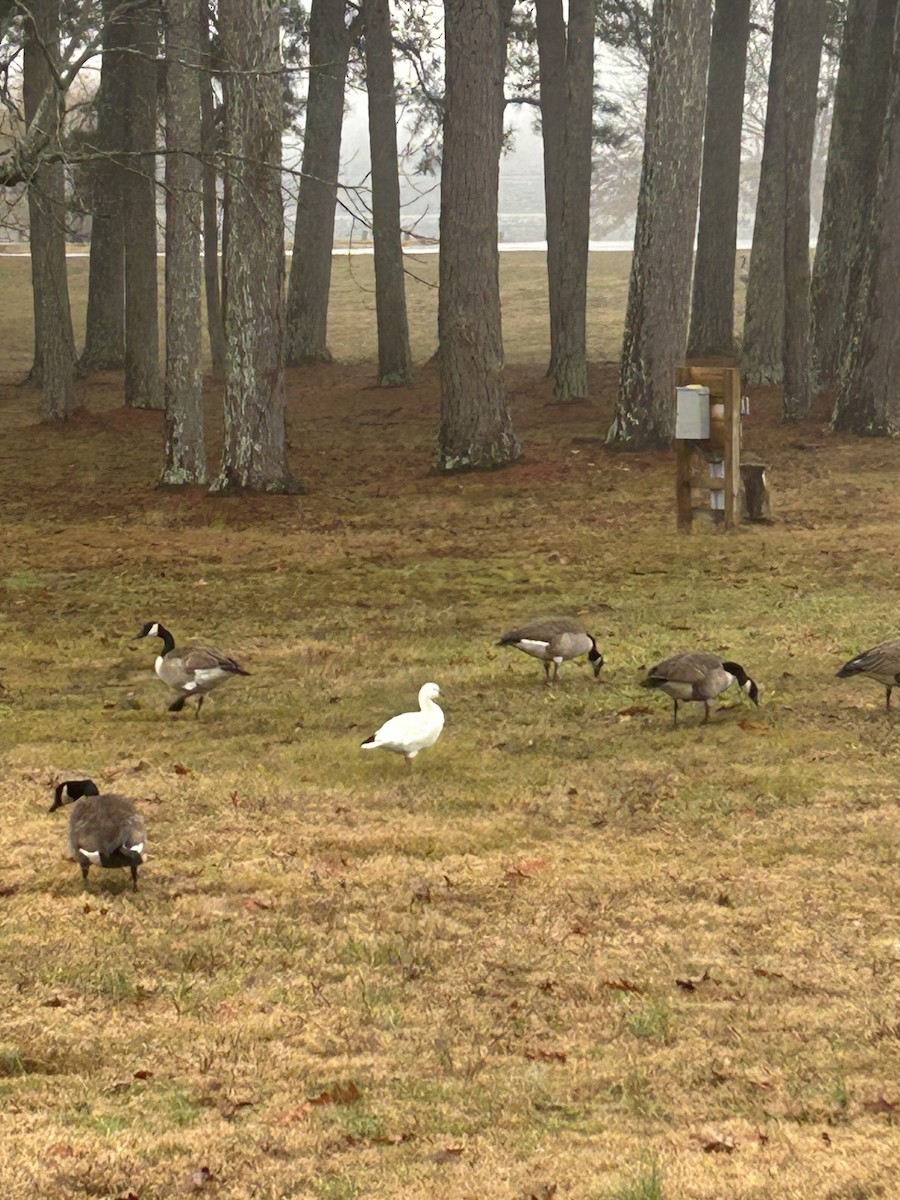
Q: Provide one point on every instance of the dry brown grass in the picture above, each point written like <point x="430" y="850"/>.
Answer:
<point x="338" y="981"/>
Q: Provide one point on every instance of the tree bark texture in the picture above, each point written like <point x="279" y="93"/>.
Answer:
<point x="184" y="456"/>
<point x="567" y="94"/>
<point x="104" y="337"/>
<point x="215" y="325"/>
<point x="139" y="212"/>
<point x="310" y="277"/>
<point x="712" y="308"/>
<point x="656" y="322"/>
<point x="54" y="358"/>
<point x="255" y="448"/>
<point x="394" y="359"/>
<point x="805" y="31"/>
<point x="551" y="40"/>
<point x="859" y="105"/>
<point x="763" y="342"/>
<point x="476" y="430"/>
<point x="869" y="400"/>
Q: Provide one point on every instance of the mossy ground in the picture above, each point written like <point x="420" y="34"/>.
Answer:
<point x="575" y="952"/>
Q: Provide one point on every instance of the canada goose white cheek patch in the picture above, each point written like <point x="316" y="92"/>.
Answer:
<point x="93" y="856"/>
<point x="138" y="849"/>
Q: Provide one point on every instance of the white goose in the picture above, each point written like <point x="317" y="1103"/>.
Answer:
<point x="411" y="732"/>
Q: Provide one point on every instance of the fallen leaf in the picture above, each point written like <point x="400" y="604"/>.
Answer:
<point x="53" y="1002"/>
<point x="8" y="889"/>
<point x="180" y="770"/>
<point x="61" y="1150"/>
<point x="201" y="1177"/>
<point x="692" y="983"/>
<point x="762" y="1138"/>
<point x="881" y="1105"/>
<point x="340" y="1093"/>
<point x="634" y="710"/>
<point x="539" y="1055"/>
<point x="623" y="985"/>
<point x="526" y="868"/>
<point x="143" y="1075"/>
<point x="751" y="727"/>
<point x="826" y="1137"/>
<point x="713" y="1142"/>
<point x="449" y="1154"/>
<point x="230" y="1107"/>
<point x="254" y="906"/>
<point x="764" y="974"/>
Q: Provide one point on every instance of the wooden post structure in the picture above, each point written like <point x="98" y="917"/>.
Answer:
<point x="724" y="385"/>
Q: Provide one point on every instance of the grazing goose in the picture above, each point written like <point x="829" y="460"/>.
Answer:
<point x="192" y="670"/>
<point x="104" y="831"/>
<point x="696" y="676"/>
<point x="411" y="731"/>
<point x="554" y="640"/>
<point x="881" y="663"/>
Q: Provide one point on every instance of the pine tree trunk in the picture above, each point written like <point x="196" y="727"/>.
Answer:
<point x="214" y="323"/>
<point x="310" y="276"/>
<point x="869" y="400"/>
<point x="712" y="309"/>
<point x="255" y="449"/>
<point x="656" y="321"/>
<point x="104" y="338"/>
<point x="139" y="213"/>
<point x="54" y="359"/>
<point x="570" y="368"/>
<point x="394" y="361"/>
<point x="551" y="41"/>
<point x="806" y="29"/>
<point x="184" y="452"/>
<point x="476" y="430"/>
<point x="763" y="344"/>
<point x="859" y="104"/>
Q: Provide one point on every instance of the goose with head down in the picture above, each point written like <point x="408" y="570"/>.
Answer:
<point x="881" y="663"/>
<point x="104" y="830"/>
<point x="554" y="640"/>
<point x="698" y="676"/>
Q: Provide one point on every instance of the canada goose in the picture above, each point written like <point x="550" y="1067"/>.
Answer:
<point x="192" y="670"/>
<point x="881" y="663"/>
<point x="554" y="640"/>
<point x="104" y="831"/>
<point x="696" y="676"/>
<point x="411" y="731"/>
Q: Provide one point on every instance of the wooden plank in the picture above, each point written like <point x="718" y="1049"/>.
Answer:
<point x="683" y="453"/>
<point x="715" y="378"/>
<point x="732" y="447"/>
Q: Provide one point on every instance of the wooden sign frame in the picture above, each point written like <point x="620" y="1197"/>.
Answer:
<point x="724" y="385"/>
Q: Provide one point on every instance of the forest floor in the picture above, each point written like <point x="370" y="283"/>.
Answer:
<point x="575" y="952"/>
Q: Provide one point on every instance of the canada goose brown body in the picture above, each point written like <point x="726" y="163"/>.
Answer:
<point x="881" y="663"/>
<point x="104" y="830"/>
<point x="695" y="675"/>
<point x="554" y="640"/>
<point x="189" y="670"/>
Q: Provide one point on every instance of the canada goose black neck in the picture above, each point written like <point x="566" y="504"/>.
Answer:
<point x="155" y="629"/>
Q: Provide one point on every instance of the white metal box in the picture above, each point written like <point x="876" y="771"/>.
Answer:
<point x="692" y="412"/>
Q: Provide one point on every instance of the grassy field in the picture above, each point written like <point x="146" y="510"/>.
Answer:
<point x="575" y="953"/>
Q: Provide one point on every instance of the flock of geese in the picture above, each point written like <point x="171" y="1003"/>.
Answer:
<point x="108" y="831"/>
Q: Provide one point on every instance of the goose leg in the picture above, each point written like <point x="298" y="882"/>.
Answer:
<point x="199" y="705"/>
<point x="84" y="872"/>
<point x="887" y="698"/>
<point x="675" y="717"/>
<point x="408" y="759"/>
<point x="555" y="670"/>
<point x="546" y="672"/>
<point x="706" y="712"/>
<point x="134" y="877"/>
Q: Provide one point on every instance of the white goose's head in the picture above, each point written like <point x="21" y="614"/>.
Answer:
<point x="428" y="691"/>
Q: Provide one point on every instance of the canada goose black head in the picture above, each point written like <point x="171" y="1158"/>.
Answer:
<point x="155" y="629"/>
<point x="72" y="790"/>
<point x="595" y="658"/>
<point x="745" y="683"/>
